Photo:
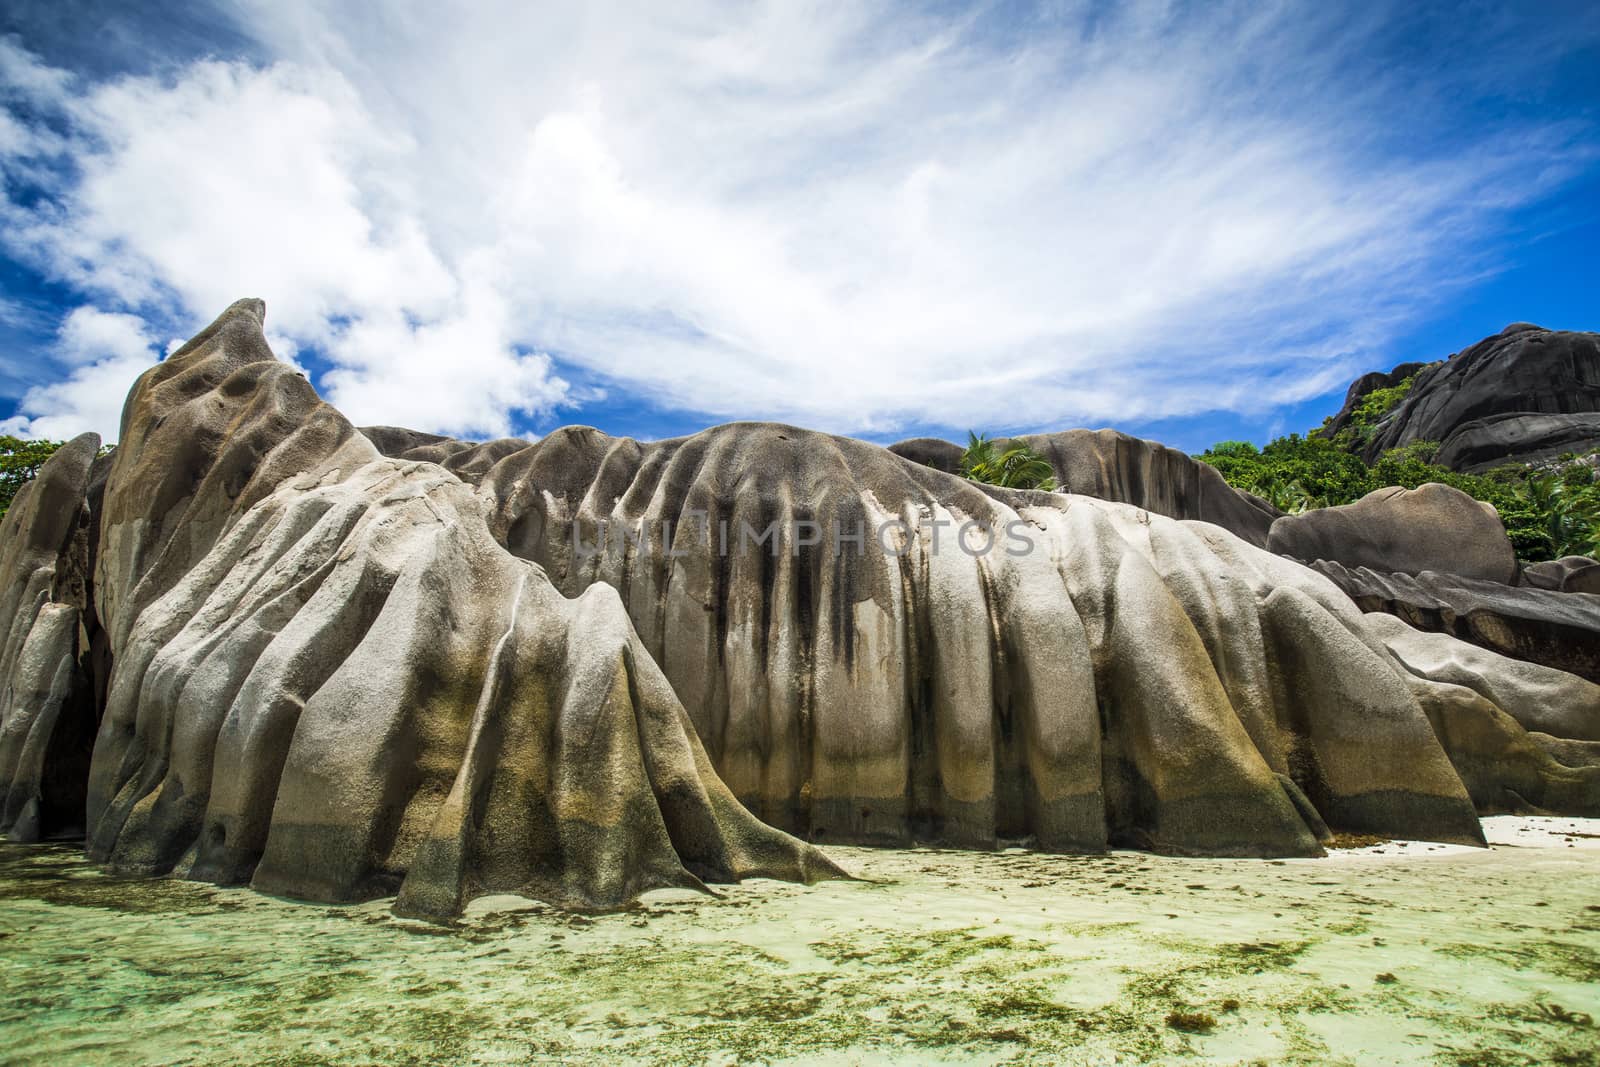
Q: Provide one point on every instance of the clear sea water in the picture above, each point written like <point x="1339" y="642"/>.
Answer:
<point x="1396" y="955"/>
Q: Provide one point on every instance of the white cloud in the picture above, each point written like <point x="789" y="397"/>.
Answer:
<point x="106" y="352"/>
<point x="22" y="74"/>
<point x="459" y="364"/>
<point x="232" y="181"/>
<point x="89" y="335"/>
<point x="853" y="217"/>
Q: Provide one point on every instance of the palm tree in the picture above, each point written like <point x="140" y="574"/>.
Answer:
<point x="1570" y="513"/>
<point x="1016" y="467"/>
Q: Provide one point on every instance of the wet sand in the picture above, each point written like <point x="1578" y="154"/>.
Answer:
<point x="1398" y="953"/>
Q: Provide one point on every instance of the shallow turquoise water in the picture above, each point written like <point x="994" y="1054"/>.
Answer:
<point x="1451" y="956"/>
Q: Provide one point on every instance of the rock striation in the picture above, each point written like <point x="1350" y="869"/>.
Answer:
<point x="52" y="647"/>
<point x="1526" y="394"/>
<point x="345" y="663"/>
<point x="1130" y="680"/>
<point x="329" y="681"/>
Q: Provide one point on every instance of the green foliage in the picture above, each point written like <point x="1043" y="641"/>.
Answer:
<point x="20" y="460"/>
<point x="1017" y="467"/>
<point x="1292" y="473"/>
<point x="1372" y="409"/>
<point x="1565" y="505"/>
<point x="1546" y="514"/>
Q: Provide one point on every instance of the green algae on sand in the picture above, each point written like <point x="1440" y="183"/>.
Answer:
<point x="944" y="957"/>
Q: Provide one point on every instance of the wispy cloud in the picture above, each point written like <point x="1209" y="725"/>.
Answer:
<point x="854" y="217"/>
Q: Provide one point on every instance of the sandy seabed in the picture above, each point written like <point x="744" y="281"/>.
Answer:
<point x="1401" y="953"/>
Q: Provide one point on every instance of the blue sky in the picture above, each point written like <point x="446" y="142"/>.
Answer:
<point x="1191" y="222"/>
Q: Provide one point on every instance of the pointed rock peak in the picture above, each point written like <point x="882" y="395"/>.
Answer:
<point x="251" y="305"/>
<point x="249" y="314"/>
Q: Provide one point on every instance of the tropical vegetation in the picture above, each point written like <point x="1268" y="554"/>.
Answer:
<point x="1548" y="512"/>
<point x="1015" y="466"/>
<point x="20" y="460"/>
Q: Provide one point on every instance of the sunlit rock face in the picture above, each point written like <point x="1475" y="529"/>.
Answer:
<point x="328" y="680"/>
<point x="1127" y="679"/>
<point x="339" y="664"/>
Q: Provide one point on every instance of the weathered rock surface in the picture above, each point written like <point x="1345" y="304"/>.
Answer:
<point x="467" y="460"/>
<point x="47" y="699"/>
<point x="1132" y="680"/>
<point x="1366" y="384"/>
<point x="337" y="674"/>
<point x="1560" y="630"/>
<point x="1431" y="528"/>
<point x="1541" y="698"/>
<point x="1115" y="466"/>
<point x="1494" y="440"/>
<point x="1525" y="394"/>
<point x="1523" y="737"/>
<point x="330" y="682"/>
<point x="1569" y="574"/>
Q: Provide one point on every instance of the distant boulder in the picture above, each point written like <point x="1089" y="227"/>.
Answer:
<point x="1404" y="531"/>
<point x="1118" y="467"/>
<point x="395" y="441"/>
<point x="1569" y="574"/>
<point x="933" y="452"/>
<point x="467" y="460"/>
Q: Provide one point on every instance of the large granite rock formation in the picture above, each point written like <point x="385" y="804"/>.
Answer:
<point x="1526" y="394"/>
<point x="47" y="686"/>
<point x="330" y="682"/>
<point x="520" y="667"/>
<point x="1503" y="720"/>
<point x="1114" y="466"/>
<point x="1365" y="385"/>
<point x="1132" y="680"/>
<point x="1408" y="531"/>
